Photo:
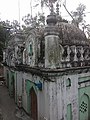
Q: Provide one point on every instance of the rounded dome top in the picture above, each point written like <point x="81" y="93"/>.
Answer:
<point x="71" y="35"/>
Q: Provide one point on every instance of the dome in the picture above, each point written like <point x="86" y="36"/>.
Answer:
<point x="71" y="35"/>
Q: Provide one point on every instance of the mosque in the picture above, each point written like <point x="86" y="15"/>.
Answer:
<point x="47" y="71"/>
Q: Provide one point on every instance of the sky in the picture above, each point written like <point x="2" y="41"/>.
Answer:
<point x="16" y="9"/>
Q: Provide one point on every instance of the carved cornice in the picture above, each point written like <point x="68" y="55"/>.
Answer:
<point x="48" y="73"/>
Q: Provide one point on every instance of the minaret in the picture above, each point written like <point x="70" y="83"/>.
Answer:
<point x="52" y="48"/>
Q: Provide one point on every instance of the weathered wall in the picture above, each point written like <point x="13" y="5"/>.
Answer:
<point x="84" y="96"/>
<point x="42" y="95"/>
<point x="55" y="97"/>
<point x="19" y="85"/>
<point x="52" y="51"/>
<point x="62" y="95"/>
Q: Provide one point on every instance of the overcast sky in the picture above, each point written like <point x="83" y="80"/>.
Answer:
<point x="9" y="8"/>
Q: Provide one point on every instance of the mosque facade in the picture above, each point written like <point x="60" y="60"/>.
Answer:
<point x="47" y="71"/>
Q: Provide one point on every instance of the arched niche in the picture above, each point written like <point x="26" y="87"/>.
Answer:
<point x="68" y="82"/>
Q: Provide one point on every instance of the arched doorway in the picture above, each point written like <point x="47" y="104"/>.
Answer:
<point x="84" y="107"/>
<point x="34" y="111"/>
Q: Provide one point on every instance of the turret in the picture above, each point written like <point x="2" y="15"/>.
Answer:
<point x="52" y="48"/>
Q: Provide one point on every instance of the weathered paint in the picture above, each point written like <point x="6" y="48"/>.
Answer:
<point x="52" y="52"/>
<point x="19" y="85"/>
<point x="84" y="107"/>
<point x="54" y="97"/>
<point x="84" y="97"/>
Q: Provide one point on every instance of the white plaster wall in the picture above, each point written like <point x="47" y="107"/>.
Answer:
<point x="53" y="100"/>
<point x="72" y="95"/>
<point x="56" y="99"/>
<point x="19" y="83"/>
<point x="42" y="96"/>
<point x="24" y="95"/>
<point x="60" y="97"/>
<point x="26" y="76"/>
<point x="43" y="102"/>
<point x="54" y="96"/>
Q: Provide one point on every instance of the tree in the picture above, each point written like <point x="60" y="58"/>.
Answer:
<point x="4" y="36"/>
<point x="33" y="22"/>
<point x="86" y="29"/>
<point x="47" y="2"/>
<point x="79" y="14"/>
<point x="15" y="27"/>
<point x="29" y="20"/>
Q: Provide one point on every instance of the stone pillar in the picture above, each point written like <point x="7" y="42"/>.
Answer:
<point x="52" y="45"/>
<point x="66" y="56"/>
<point x="73" y="53"/>
<point x="24" y="56"/>
<point x="82" y="51"/>
<point x="82" y="58"/>
<point x="75" y="57"/>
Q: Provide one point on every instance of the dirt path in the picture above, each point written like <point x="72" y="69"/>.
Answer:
<point x="7" y="105"/>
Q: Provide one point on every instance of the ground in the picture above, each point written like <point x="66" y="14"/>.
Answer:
<point x="8" y="108"/>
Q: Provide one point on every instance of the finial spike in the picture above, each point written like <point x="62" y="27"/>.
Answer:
<point x="57" y="9"/>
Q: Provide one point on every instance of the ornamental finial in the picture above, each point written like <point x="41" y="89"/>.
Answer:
<point x="51" y="2"/>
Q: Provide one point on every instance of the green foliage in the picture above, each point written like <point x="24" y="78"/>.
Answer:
<point x="7" y="29"/>
<point x="86" y="28"/>
<point x="44" y="2"/>
<point x="33" y="22"/>
<point x="29" y="20"/>
<point x="47" y="2"/>
<point x="15" y="27"/>
<point x="4" y="36"/>
<point x="79" y="14"/>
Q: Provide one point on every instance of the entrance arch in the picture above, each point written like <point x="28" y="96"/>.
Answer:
<point x="84" y="107"/>
<point x="34" y="110"/>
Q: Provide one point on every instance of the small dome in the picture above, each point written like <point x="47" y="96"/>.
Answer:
<point x="51" y="19"/>
<point x="71" y="35"/>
